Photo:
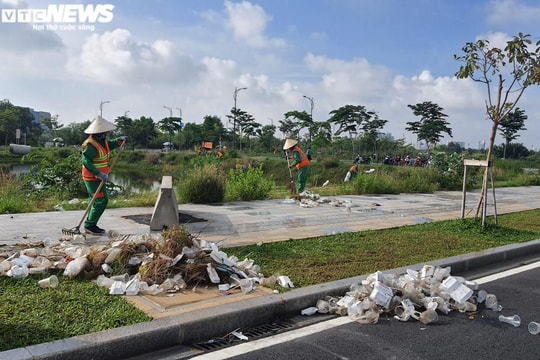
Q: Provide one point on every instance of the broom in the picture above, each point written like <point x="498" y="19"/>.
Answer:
<point x="292" y="186"/>
<point x="77" y="229"/>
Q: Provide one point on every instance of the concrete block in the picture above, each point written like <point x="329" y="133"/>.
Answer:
<point x="165" y="215"/>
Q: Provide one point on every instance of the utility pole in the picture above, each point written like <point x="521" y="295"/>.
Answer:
<point x="310" y="115"/>
<point x="170" y="110"/>
<point x="101" y="107"/>
<point x="235" y="94"/>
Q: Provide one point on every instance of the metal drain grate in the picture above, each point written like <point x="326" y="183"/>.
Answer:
<point x="251" y="333"/>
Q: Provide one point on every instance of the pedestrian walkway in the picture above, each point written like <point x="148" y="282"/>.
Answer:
<point x="242" y="223"/>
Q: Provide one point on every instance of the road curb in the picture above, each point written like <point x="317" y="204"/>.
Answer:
<point x="201" y="325"/>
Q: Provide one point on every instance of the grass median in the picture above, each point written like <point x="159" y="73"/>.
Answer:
<point x="30" y="315"/>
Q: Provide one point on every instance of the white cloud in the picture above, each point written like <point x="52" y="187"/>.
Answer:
<point x="248" y="24"/>
<point x="116" y="57"/>
<point x="512" y="11"/>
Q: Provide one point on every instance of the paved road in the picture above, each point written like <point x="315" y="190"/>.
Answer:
<point x="455" y="336"/>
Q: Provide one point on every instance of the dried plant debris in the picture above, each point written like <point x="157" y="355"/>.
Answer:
<point x="128" y="264"/>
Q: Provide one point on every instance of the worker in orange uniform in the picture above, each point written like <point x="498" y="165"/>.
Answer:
<point x="300" y="162"/>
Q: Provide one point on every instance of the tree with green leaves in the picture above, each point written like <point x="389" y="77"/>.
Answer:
<point x="73" y="133"/>
<point x="213" y="129"/>
<point x="144" y="131"/>
<point x="266" y="137"/>
<point x="351" y="119"/>
<point x="290" y="127"/>
<point x="506" y="74"/>
<point x="432" y="123"/>
<point x="302" y="120"/>
<point x="510" y="124"/>
<point x="15" y="117"/>
<point x="170" y="125"/>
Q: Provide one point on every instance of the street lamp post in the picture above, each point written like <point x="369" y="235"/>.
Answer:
<point x="180" y="112"/>
<point x="236" y="90"/>
<point x="101" y="107"/>
<point x="125" y="113"/>
<point x="310" y="114"/>
<point x="170" y="110"/>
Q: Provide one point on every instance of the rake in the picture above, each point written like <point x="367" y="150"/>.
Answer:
<point x="77" y="229"/>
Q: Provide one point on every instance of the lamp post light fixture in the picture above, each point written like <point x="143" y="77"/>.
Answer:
<point x="125" y="113"/>
<point x="170" y="110"/>
<point x="311" y="107"/>
<point x="235" y="94"/>
<point x="310" y="114"/>
<point x="101" y="107"/>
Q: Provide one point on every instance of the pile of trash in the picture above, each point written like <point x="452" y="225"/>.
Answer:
<point x="418" y="295"/>
<point x="131" y="264"/>
<point x="310" y="199"/>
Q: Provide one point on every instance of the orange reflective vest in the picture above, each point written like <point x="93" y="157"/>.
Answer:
<point x="304" y="161"/>
<point x="101" y="161"/>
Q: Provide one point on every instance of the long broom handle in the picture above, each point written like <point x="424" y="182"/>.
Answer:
<point x="288" y="163"/>
<point x="94" y="197"/>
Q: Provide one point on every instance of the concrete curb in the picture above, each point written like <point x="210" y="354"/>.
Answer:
<point x="200" y="325"/>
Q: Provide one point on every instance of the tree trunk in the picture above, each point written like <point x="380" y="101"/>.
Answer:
<point x="483" y="200"/>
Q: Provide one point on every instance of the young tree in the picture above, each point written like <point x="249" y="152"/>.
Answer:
<point x="518" y="62"/>
<point x="170" y="125"/>
<point x="432" y="123"/>
<point x="350" y="119"/>
<point x="302" y="120"/>
<point x="510" y="124"/>
<point x="372" y="128"/>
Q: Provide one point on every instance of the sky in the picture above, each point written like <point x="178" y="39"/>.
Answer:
<point x="186" y="57"/>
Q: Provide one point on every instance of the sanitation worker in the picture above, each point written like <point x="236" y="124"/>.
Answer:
<point x="351" y="174"/>
<point x="95" y="168"/>
<point x="300" y="162"/>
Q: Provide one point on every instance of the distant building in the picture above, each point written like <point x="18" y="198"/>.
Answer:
<point x="39" y="116"/>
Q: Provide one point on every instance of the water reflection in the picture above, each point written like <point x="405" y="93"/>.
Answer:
<point x="136" y="182"/>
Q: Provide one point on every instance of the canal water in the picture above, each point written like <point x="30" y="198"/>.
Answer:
<point x="137" y="184"/>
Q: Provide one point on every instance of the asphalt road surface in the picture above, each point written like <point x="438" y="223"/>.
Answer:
<point x="454" y="336"/>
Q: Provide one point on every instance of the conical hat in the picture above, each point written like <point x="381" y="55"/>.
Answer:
<point x="289" y="143"/>
<point x="99" y="125"/>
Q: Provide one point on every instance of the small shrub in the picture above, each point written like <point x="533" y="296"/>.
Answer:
<point x="251" y="184"/>
<point x="202" y="185"/>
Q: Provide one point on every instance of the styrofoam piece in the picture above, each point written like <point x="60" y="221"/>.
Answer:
<point x="212" y="273"/>
<point x="456" y="289"/>
<point x="381" y="294"/>
<point x="117" y="288"/>
<point x="284" y="281"/>
<point x="309" y="311"/>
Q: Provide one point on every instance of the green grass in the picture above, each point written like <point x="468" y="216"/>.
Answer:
<point x="328" y="258"/>
<point x="30" y="315"/>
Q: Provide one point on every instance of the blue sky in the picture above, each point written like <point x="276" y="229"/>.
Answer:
<point x="191" y="54"/>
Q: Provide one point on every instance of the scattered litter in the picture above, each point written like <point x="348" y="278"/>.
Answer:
<point x="420" y="295"/>
<point x="147" y="264"/>
<point x="239" y="335"/>
<point x="514" y="320"/>
<point x="309" y="311"/>
<point x="285" y="282"/>
<point x="533" y="327"/>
